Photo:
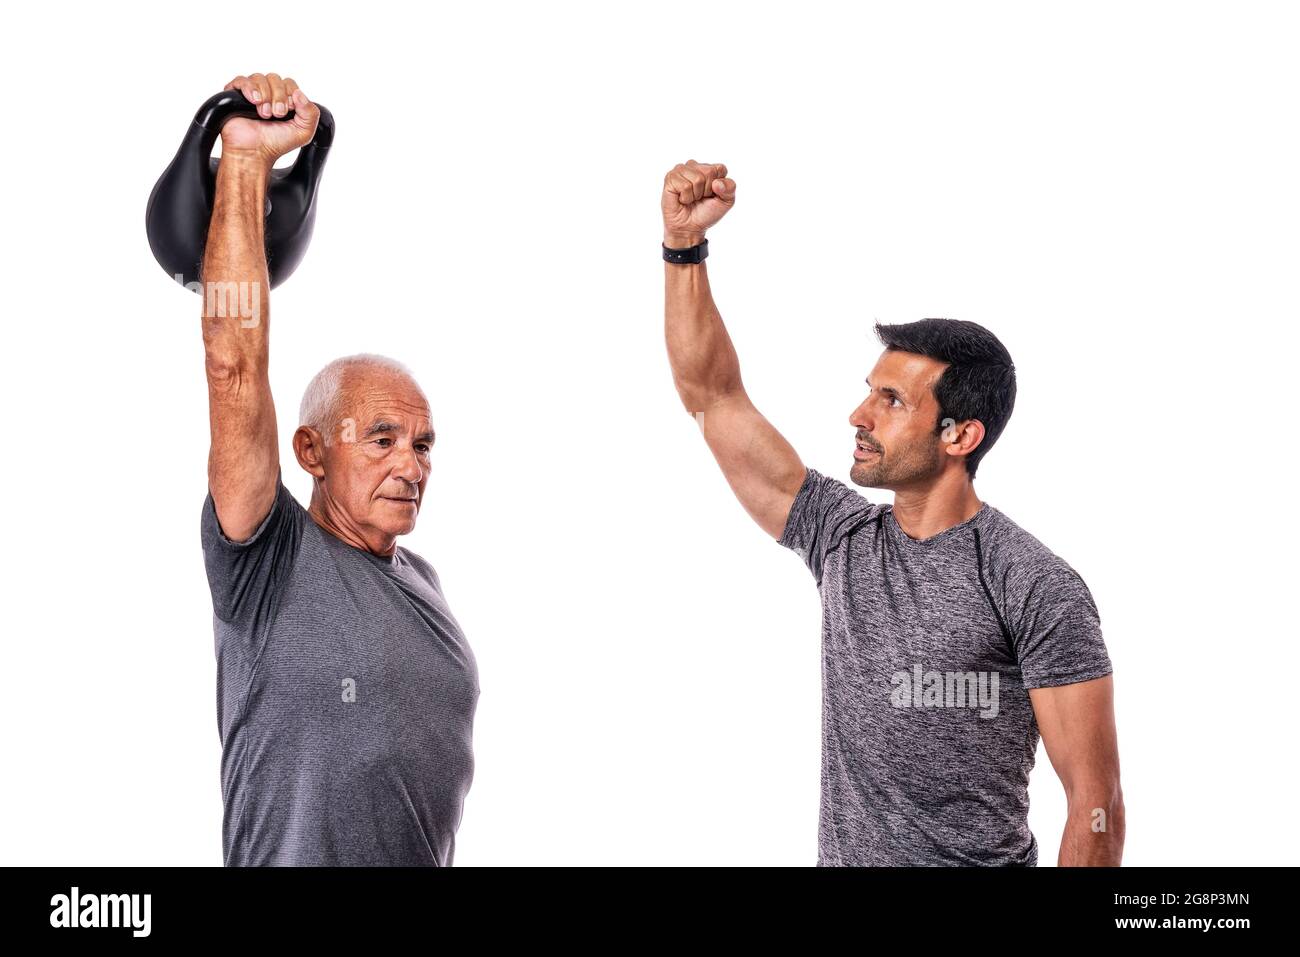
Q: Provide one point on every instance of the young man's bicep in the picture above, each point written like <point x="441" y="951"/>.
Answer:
<point x="1077" y="724"/>
<point x="761" y="467"/>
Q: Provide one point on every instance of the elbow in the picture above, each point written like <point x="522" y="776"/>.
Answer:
<point x="222" y="371"/>
<point x="219" y="366"/>
<point x="1101" y="798"/>
<point x="693" y="400"/>
<point x="230" y="376"/>
<point x="697" y="396"/>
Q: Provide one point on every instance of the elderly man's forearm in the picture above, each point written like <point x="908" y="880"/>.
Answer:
<point x="235" y="282"/>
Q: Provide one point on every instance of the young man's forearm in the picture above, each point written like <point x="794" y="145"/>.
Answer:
<point x="1092" y="839"/>
<point x="704" y="362"/>
<point x="235" y="284"/>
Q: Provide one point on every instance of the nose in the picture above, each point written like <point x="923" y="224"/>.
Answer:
<point x="407" y="467"/>
<point x="861" y="417"/>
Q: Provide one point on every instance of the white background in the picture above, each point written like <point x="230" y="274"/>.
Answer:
<point x="1111" y="188"/>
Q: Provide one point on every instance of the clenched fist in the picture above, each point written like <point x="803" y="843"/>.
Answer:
<point x="270" y="138"/>
<point x="696" y="195"/>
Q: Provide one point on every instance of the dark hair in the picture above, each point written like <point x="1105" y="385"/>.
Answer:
<point x="980" y="381"/>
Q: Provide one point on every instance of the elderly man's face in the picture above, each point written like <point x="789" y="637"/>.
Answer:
<point x="377" y="460"/>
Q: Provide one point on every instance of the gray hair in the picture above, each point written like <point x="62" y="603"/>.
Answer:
<point x="319" y="409"/>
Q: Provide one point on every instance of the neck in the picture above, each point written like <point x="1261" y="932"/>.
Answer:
<point x="335" y="521"/>
<point x="924" y="512"/>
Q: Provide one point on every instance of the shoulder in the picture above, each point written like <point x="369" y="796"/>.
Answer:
<point x="285" y="516"/>
<point x="421" y="566"/>
<point x="1023" y="565"/>
<point x="832" y="494"/>
<point x="826" y="510"/>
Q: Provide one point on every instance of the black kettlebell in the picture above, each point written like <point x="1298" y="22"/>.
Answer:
<point x="180" y="206"/>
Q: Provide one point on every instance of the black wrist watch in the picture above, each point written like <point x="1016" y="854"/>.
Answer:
<point x="691" y="254"/>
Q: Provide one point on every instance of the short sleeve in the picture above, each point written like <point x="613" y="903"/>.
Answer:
<point x="823" y="513"/>
<point x="1058" y="637"/>
<point x="244" y="576"/>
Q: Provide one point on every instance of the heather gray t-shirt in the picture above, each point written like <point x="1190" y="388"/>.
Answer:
<point x="345" y="698"/>
<point x="928" y="651"/>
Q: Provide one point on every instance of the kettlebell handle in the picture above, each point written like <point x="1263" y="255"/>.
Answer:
<point x="219" y="109"/>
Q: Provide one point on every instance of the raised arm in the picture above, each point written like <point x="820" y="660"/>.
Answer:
<point x="759" y="464"/>
<point x="244" y="458"/>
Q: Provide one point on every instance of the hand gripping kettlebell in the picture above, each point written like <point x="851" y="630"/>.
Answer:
<point x="180" y="206"/>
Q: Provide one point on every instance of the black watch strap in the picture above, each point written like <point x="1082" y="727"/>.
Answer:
<point x="691" y="254"/>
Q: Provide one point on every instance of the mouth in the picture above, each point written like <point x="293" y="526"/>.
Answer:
<point x="403" y="501"/>
<point x="863" y="451"/>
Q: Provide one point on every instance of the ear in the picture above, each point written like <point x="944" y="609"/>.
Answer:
<point x="962" y="438"/>
<point x="309" y="449"/>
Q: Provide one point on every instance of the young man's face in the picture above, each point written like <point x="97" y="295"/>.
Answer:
<point x="896" y="424"/>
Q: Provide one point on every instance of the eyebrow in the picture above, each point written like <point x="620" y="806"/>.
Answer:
<point x="890" y="389"/>
<point x="382" y="428"/>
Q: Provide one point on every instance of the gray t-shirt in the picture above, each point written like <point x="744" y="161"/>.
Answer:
<point x="345" y="698"/>
<point x="929" y="648"/>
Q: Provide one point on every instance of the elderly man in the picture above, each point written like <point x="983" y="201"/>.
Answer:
<point x="345" y="688"/>
<point x="950" y="636"/>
